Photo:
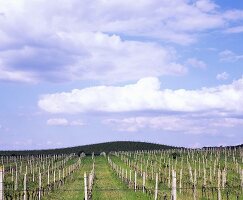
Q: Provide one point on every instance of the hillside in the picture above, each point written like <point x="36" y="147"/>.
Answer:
<point x="96" y="148"/>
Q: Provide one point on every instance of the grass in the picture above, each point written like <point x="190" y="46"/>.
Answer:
<point x="108" y="186"/>
<point x="74" y="189"/>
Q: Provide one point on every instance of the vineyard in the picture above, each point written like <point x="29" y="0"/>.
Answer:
<point x="183" y="174"/>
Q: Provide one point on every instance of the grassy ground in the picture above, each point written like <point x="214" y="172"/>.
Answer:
<point x="108" y="186"/>
<point x="74" y="189"/>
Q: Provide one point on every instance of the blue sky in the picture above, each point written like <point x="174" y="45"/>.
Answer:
<point x="80" y="72"/>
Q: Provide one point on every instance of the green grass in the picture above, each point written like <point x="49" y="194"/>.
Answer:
<point x="73" y="189"/>
<point x="233" y="178"/>
<point x="108" y="186"/>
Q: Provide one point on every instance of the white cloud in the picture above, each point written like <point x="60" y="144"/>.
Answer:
<point x="97" y="56"/>
<point x="229" y="56"/>
<point x="23" y="143"/>
<point x="145" y="95"/>
<point x="233" y="15"/>
<point x="236" y="29"/>
<point x="195" y="145"/>
<point x="63" y="122"/>
<point x="16" y="76"/>
<point x="206" y="5"/>
<point x="61" y="42"/>
<point x="194" y="62"/>
<point x="77" y="123"/>
<point x="110" y="58"/>
<point x="227" y="122"/>
<point x="174" y="123"/>
<point x="57" y="122"/>
<point x="50" y="143"/>
<point x="165" y="123"/>
<point x="222" y="76"/>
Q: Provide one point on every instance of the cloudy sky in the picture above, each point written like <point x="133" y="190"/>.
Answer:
<point x="76" y="72"/>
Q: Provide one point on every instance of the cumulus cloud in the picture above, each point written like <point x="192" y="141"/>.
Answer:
<point x="63" y="122"/>
<point x="165" y="123"/>
<point x="16" y="75"/>
<point x="144" y="95"/>
<point x="96" y="56"/>
<point x="194" y="62"/>
<point x="206" y="5"/>
<point x="229" y="56"/>
<point x="222" y="76"/>
<point x="175" y="123"/>
<point x="60" y="42"/>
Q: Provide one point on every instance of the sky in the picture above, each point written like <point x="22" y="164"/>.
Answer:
<point x="80" y="72"/>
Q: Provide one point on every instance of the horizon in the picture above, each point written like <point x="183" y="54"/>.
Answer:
<point x="68" y="147"/>
<point x="81" y="72"/>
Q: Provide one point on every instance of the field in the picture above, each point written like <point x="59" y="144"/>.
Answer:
<point x="182" y="174"/>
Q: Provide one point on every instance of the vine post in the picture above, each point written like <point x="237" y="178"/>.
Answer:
<point x="1" y="184"/>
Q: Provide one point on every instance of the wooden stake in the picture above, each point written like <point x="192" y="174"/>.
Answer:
<point x="25" y="193"/>
<point x="16" y="179"/>
<point x="173" y="193"/>
<point x="48" y="176"/>
<point x="180" y="180"/>
<point x="130" y="176"/>
<point x="156" y="187"/>
<point x="135" y="181"/>
<point x="39" y="197"/>
<point x="85" y="187"/>
<point x="144" y="179"/>
<point x="1" y="184"/>
<point x="54" y="177"/>
<point x="219" y="178"/>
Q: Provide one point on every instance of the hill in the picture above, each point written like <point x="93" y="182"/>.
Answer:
<point x="96" y="148"/>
